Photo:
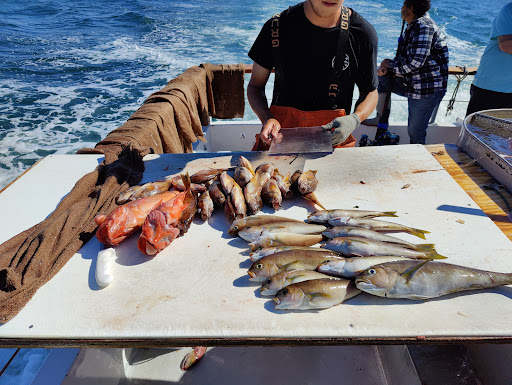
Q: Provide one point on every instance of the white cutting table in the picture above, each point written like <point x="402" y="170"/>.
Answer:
<point x="197" y="290"/>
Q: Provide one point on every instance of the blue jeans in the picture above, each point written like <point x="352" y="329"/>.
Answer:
<point x="420" y="110"/>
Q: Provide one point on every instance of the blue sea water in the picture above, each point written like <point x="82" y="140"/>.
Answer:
<point x="71" y="71"/>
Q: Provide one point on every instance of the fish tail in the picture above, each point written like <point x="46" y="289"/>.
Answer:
<point x="186" y="181"/>
<point x="430" y="251"/>
<point x="419" y="233"/>
<point x="389" y="214"/>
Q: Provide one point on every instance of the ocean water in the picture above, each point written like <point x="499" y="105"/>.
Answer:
<point x="72" y="71"/>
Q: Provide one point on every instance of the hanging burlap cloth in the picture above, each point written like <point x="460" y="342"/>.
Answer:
<point x="169" y="121"/>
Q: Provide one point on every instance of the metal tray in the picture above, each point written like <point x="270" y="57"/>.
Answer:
<point x="487" y="137"/>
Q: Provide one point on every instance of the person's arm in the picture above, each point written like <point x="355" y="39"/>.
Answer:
<point x="366" y="107"/>
<point x="505" y="43"/>
<point x="258" y="101"/>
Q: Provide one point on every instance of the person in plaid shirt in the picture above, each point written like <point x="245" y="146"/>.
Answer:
<point x="418" y="72"/>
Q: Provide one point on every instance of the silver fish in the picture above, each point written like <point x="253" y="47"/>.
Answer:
<point x="377" y="225"/>
<point x="272" y="285"/>
<point x="364" y="247"/>
<point x="257" y="220"/>
<point x="315" y="294"/>
<point x="269" y="239"/>
<point x="351" y="231"/>
<point x="424" y="280"/>
<point x="323" y="216"/>
<point x="251" y="234"/>
<point x="352" y="267"/>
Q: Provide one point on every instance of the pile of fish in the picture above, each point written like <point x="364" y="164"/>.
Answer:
<point x="160" y="217"/>
<point x="355" y="255"/>
<point x="163" y="210"/>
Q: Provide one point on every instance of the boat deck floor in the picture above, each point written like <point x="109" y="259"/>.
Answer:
<point x="494" y="200"/>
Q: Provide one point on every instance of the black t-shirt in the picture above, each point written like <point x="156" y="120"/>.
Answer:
<point x="307" y="53"/>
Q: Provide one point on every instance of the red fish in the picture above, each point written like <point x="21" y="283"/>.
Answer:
<point x="165" y="223"/>
<point x="127" y="219"/>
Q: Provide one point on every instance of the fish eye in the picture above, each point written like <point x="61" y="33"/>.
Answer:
<point x="372" y="271"/>
<point x="268" y="282"/>
<point x="284" y="291"/>
<point x="259" y="266"/>
<point x="235" y="228"/>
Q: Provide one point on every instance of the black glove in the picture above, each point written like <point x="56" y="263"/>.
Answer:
<point x="342" y="127"/>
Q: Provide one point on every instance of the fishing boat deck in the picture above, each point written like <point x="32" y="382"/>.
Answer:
<point x="196" y="291"/>
<point x="493" y="199"/>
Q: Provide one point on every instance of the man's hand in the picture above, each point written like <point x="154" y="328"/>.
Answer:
<point x="270" y="130"/>
<point x="342" y="127"/>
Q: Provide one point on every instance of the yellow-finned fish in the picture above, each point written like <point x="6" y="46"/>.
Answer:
<point x="352" y="267"/>
<point x="288" y="260"/>
<point x="427" y="279"/>
<point x="364" y="247"/>
<point x="352" y="231"/>
<point x="315" y="294"/>
<point x="272" y="285"/>
<point x="257" y="220"/>
<point x="269" y="239"/>
<point x="324" y="216"/>
<point x="377" y="225"/>
<point x="260" y="253"/>
<point x="251" y="234"/>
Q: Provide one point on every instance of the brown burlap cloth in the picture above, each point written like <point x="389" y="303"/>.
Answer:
<point x="169" y="121"/>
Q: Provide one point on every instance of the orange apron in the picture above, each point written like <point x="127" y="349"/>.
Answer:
<point x="290" y="117"/>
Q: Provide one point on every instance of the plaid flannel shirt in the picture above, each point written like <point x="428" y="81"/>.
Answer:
<point x="422" y="58"/>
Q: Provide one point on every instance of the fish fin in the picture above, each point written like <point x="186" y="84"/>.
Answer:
<point x="352" y="240"/>
<point x="186" y="181"/>
<point x="419" y="233"/>
<point x="430" y="251"/>
<point x="286" y="267"/>
<point x="317" y="296"/>
<point x="407" y="274"/>
<point x="389" y="214"/>
<point x="273" y="227"/>
<point x="287" y="177"/>
<point x="293" y="279"/>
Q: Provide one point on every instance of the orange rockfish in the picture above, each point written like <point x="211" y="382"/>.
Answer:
<point x="127" y="219"/>
<point x="162" y="224"/>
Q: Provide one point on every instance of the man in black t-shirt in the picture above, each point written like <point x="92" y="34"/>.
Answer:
<point x="317" y="64"/>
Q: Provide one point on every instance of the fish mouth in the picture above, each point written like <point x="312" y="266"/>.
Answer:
<point x="362" y="280"/>
<point x="276" y="300"/>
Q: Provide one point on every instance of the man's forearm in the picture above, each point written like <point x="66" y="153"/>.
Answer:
<point x="258" y="102"/>
<point x="366" y="107"/>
